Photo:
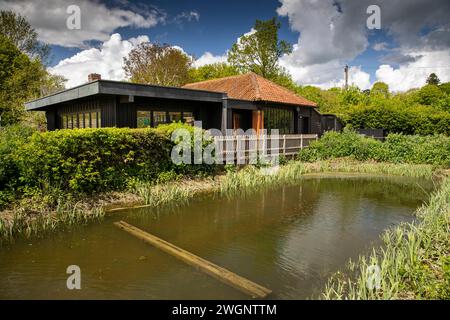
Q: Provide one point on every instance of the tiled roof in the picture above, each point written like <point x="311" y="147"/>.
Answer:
<point x="251" y="87"/>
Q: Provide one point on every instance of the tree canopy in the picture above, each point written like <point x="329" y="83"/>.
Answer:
<point x="14" y="27"/>
<point x="158" y="64"/>
<point x="212" y="71"/>
<point x="20" y="80"/>
<point x="260" y="50"/>
<point x="433" y="79"/>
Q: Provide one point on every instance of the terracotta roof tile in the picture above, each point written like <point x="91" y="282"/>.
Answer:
<point x="251" y="87"/>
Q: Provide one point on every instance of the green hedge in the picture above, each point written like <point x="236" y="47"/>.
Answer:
<point x="89" y="160"/>
<point x="83" y="161"/>
<point x="397" y="148"/>
<point x="415" y="120"/>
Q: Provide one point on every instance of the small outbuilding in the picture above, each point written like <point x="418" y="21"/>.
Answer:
<point x="238" y="102"/>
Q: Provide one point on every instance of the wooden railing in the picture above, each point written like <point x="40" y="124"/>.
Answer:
<point x="244" y="148"/>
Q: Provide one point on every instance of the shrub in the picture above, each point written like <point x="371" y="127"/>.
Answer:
<point x="338" y="145"/>
<point x="83" y="161"/>
<point x="11" y="138"/>
<point x="88" y="160"/>
<point x="397" y="148"/>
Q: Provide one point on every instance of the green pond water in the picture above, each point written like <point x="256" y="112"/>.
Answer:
<point x="288" y="239"/>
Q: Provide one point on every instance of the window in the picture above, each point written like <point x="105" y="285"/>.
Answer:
<point x="159" y="117"/>
<point x="188" y="117"/>
<point x="81" y="120"/>
<point x="87" y="121"/>
<point x="99" y="119"/>
<point x="280" y="119"/>
<point x="144" y="119"/>
<point x="174" y="116"/>
<point x="64" y="122"/>
<point x="69" y="121"/>
<point x="93" y="119"/>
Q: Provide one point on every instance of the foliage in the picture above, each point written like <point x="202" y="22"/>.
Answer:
<point x="433" y="79"/>
<point x="85" y="161"/>
<point x="157" y="64"/>
<point x="19" y="31"/>
<point x="259" y="50"/>
<point x="423" y="111"/>
<point x="397" y="148"/>
<point x="19" y="80"/>
<point x="11" y="139"/>
<point x="429" y="94"/>
<point x="380" y="88"/>
<point x="212" y="71"/>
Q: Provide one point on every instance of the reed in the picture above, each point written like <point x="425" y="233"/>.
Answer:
<point x="414" y="259"/>
<point x="251" y="179"/>
<point x="26" y="223"/>
<point x="174" y="193"/>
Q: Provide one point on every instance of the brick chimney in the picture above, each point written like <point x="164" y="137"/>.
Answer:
<point x="94" y="77"/>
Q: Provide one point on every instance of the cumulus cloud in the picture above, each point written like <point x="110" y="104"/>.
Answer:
<point x="333" y="33"/>
<point x="209" y="58"/>
<point x="106" y="60"/>
<point x="98" y="21"/>
<point x="414" y="74"/>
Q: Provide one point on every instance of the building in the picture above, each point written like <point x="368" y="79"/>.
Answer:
<point x="243" y="101"/>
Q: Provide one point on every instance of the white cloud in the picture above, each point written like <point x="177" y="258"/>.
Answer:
<point x="209" y="58"/>
<point x="333" y="33"/>
<point x="187" y="16"/>
<point x="414" y="74"/>
<point x="326" y="75"/>
<point x="107" y="61"/>
<point x="98" y="21"/>
<point x="380" y="46"/>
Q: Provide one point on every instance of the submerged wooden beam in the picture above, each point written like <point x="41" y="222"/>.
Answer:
<point x="222" y="274"/>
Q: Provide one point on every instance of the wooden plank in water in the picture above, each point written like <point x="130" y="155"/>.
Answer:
<point x="222" y="274"/>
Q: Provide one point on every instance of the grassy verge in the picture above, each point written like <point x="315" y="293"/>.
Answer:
<point x="414" y="260"/>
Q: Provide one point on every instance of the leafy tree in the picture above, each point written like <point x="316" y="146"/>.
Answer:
<point x="212" y="71"/>
<point x="20" y="80"/>
<point x="445" y="87"/>
<point x="433" y="79"/>
<point x="14" y="27"/>
<point x="260" y="50"/>
<point x="153" y="63"/>
<point x="380" y="88"/>
<point x="429" y="94"/>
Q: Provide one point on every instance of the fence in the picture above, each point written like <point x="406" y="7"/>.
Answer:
<point x="244" y="149"/>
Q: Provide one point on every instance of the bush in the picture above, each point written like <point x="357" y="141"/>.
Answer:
<point x="397" y="148"/>
<point x="338" y="145"/>
<point x="11" y="138"/>
<point x="84" y="161"/>
<point x="88" y="160"/>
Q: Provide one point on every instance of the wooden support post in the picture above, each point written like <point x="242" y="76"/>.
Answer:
<point x="222" y="274"/>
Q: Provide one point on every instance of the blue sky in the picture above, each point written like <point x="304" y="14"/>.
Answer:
<point x="414" y="39"/>
<point x="219" y="25"/>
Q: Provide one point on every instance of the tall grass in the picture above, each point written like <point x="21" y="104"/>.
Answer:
<point x="251" y="179"/>
<point x="26" y="223"/>
<point x="414" y="260"/>
<point x="172" y="193"/>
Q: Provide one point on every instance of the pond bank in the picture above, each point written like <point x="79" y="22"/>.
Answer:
<point x="32" y="217"/>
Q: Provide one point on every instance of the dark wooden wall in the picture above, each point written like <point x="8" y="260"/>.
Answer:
<point x="120" y="112"/>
